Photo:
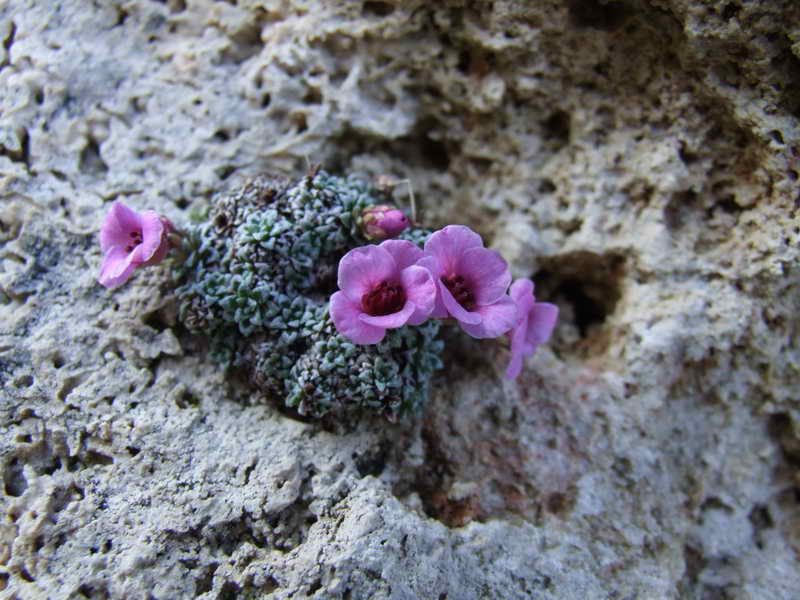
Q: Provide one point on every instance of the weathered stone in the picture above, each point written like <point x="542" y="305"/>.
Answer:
<point x="639" y="159"/>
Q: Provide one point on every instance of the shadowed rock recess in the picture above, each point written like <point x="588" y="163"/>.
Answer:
<point x="639" y="159"/>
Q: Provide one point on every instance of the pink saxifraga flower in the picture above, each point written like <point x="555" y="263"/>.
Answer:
<point x="536" y="323"/>
<point x="472" y="282"/>
<point x="130" y="240"/>
<point x="383" y="222"/>
<point x="381" y="288"/>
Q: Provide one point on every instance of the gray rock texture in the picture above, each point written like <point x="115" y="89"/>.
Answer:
<point x="638" y="158"/>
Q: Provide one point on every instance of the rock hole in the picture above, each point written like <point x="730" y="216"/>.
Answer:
<point x="24" y="438"/>
<point x="90" y="160"/>
<point x="761" y="520"/>
<point x="3" y="581"/>
<point x="604" y="15"/>
<point x="186" y="399"/>
<point x="270" y="585"/>
<point x="9" y="41"/>
<point x="301" y="122"/>
<point x="373" y="461"/>
<point x="205" y="582"/>
<point x="315" y="586"/>
<point x="25" y="575"/>
<point x="687" y="157"/>
<point x="482" y="165"/>
<point x="313" y="96"/>
<point x="249" y="471"/>
<point x="21" y="154"/>
<point x="92" y="458"/>
<point x="221" y="136"/>
<point x="225" y="171"/>
<point x="378" y="9"/>
<point x="557" y="128"/>
<point x="434" y="152"/>
<point x="132" y="450"/>
<point x="156" y="319"/>
<point x="57" y="360"/>
<point x="229" y="591"/>
<point x="728" y="205"/>
<point x="714" y="503"/>
<point x="23" y="381"/>
<point x="779" y="427"/>
<point x="122" y="16"/>
<point x="464" y="61"/>
<point x="68" y="386"/>
<point x="266" y="99"/>
<point x="14" y="479"/>
<point x="729" y="11"/>
<point x="677" y="208"/>
<point x="51" y="463"/>
<point x="559" y="503"/>
<point x="587" y="282"/>
<point x="546" y="186"/>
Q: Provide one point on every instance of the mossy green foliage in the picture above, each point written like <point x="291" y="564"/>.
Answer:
<point x="256" y="281"/>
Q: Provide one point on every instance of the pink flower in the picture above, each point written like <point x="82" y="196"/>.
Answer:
<point x="536" y="323"/>
<point x="380" y="289"/>
<point x="130" y="240"/>
<point x="383" y="222"/>
<point x="472" y="282"/>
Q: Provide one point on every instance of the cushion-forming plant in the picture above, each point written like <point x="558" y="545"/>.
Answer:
<point x="257" y="277"/>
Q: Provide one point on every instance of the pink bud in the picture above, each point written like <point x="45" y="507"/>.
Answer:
<point x="383" y="222"/>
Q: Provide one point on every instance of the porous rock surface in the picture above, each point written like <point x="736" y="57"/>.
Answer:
<point x="638" y="158"/>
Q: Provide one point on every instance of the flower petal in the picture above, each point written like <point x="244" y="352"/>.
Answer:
<point x="455" y="309"/>
<point x="520" y="289"/>
<point x="431" y="264"/>
<point x="541" y="321"/>
<point x="497" y="319"/>
<point x="447" y="245"/>
<point x="154" y="237"/>
<point x="118" y="266"/>
<point x="514" y="367"/>
<point x="420" y="289"/>
<point x="486" y="273"/>
<point x="390" y="321"/>
<point x="404" y="252"/>
<point x="118" y="225"/>
<point x="345" y="313"/>
<point x="361" y="269"/>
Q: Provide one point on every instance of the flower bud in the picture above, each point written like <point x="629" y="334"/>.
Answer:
<point x="382" y="222"/>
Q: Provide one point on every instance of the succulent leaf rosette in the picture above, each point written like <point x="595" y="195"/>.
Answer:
<point x="324" y="296"/>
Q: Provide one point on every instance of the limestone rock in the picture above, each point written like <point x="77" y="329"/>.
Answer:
<point x="639" y="159"/>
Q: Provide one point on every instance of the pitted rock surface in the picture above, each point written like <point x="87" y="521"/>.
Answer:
<point x="639" y="159"/>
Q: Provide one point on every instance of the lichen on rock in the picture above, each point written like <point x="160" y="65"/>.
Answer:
<point x="256" y="279"/>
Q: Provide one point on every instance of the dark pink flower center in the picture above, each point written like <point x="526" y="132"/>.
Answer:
<point x="461" y="292"/>
<point x="136" y="239"/>
<point x="386" y="298"/>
